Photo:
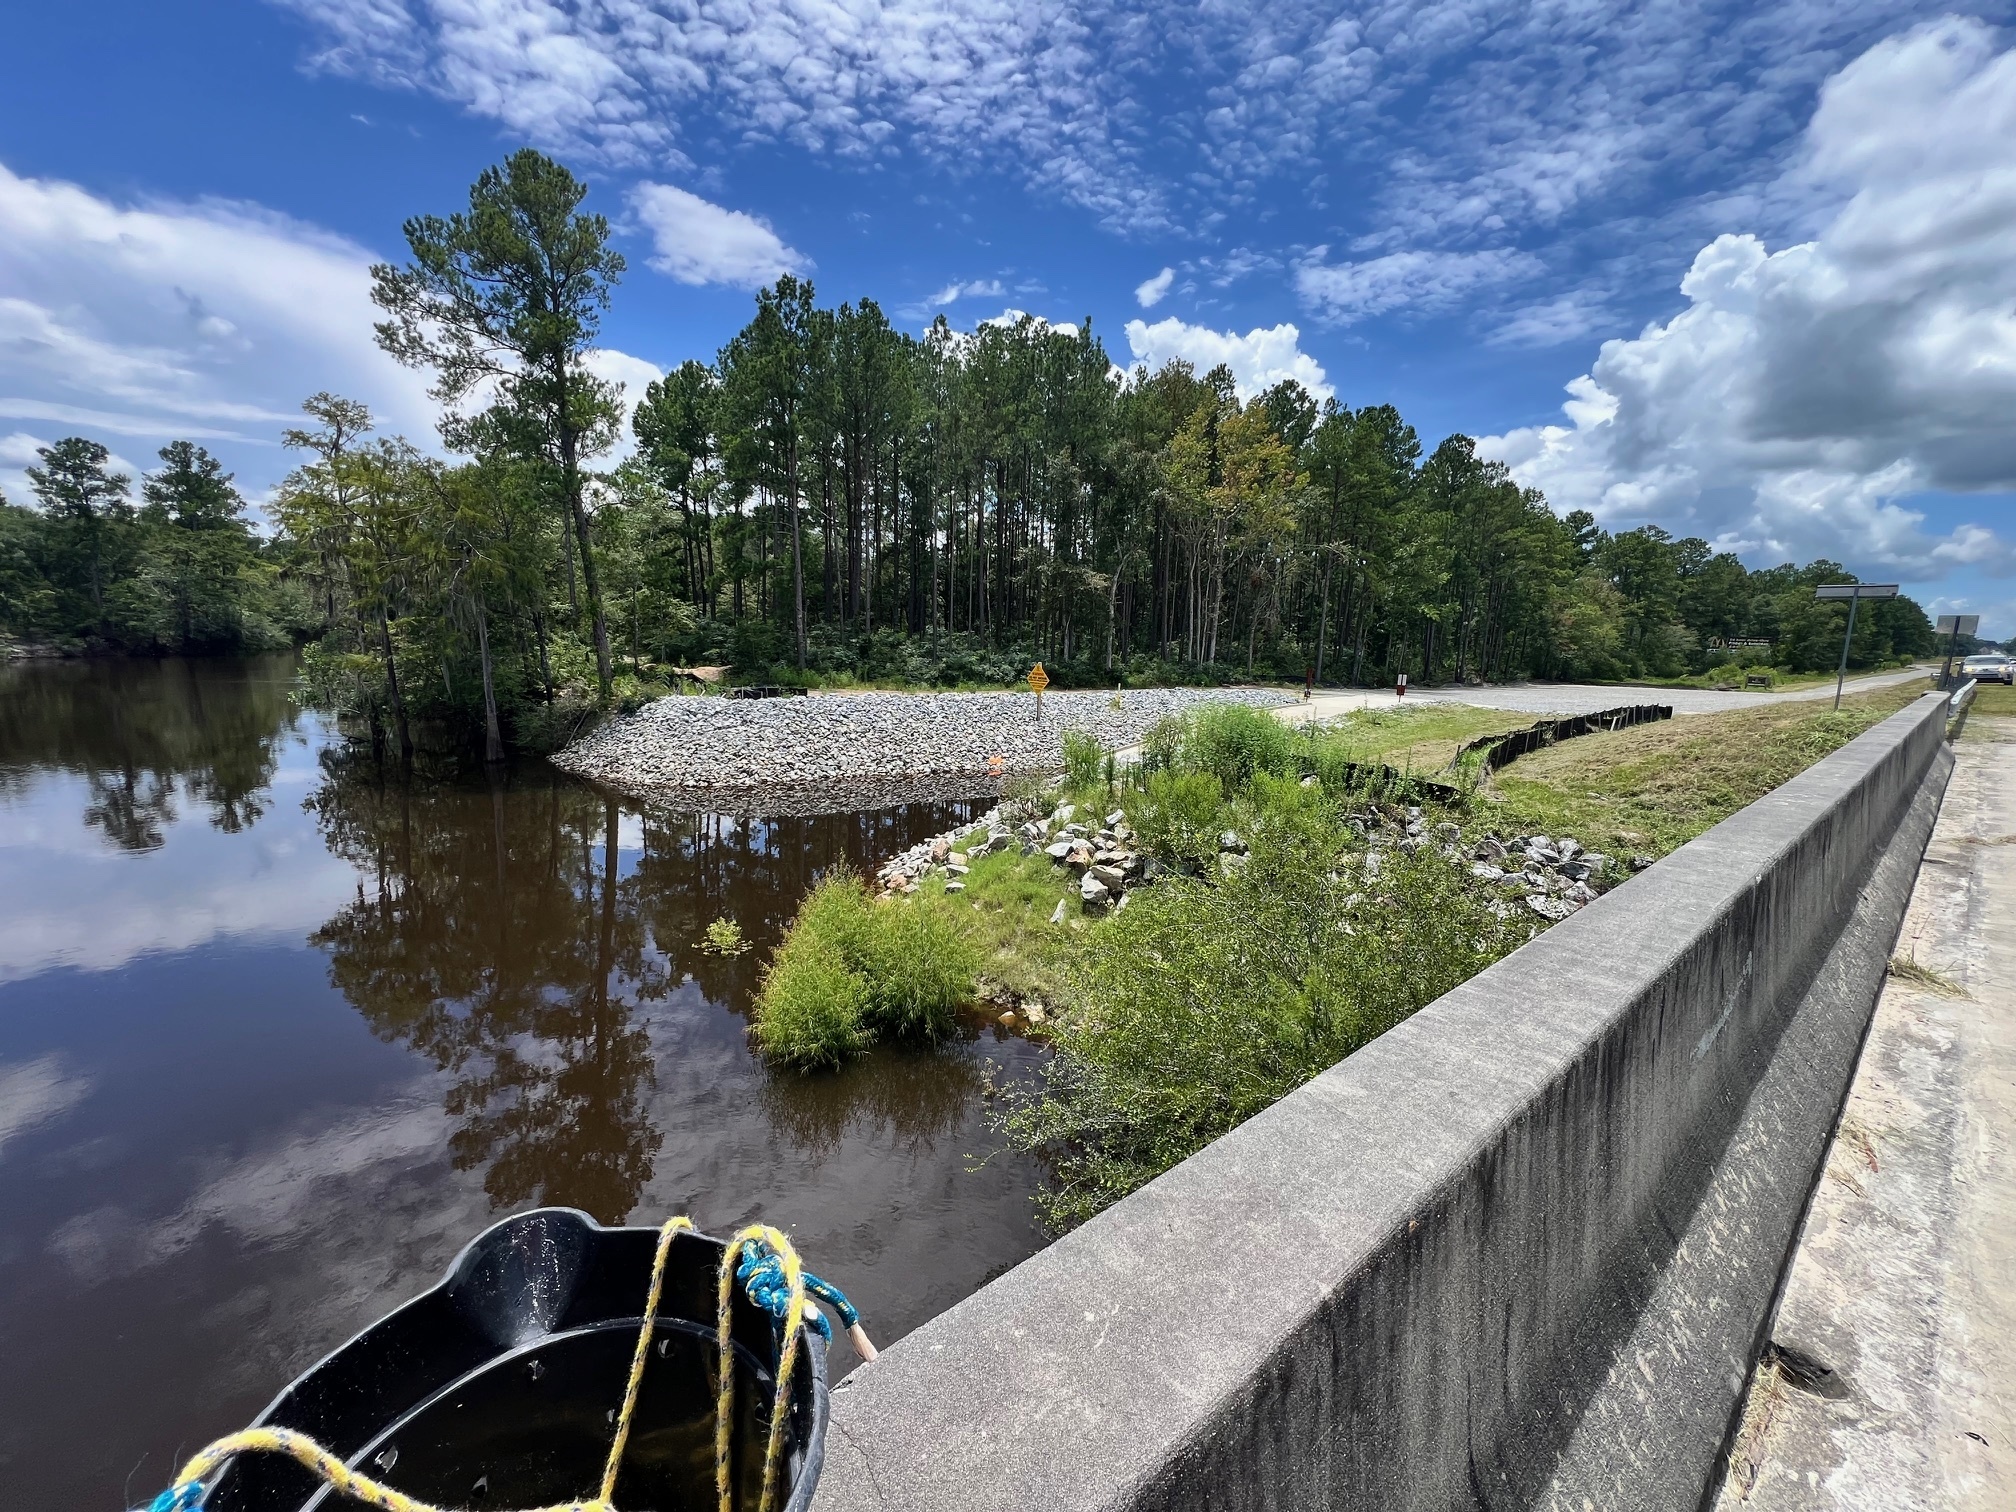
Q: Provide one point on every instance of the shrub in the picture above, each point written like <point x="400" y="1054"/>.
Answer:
<point x="1084" y="761"/>
<point x="724" y="937"/>
<point x="1233" y="741"/>
<point x="811" y="1006"/>
<point x="1177" y="816"/>
<point x="1215" y="1001"/>
<point x="896" y="968"/>
<point x="918" y="966"/>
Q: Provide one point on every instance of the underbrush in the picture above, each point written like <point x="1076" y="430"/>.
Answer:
<point x="1296" y="901"/>
<point x="1205" y="1000"/>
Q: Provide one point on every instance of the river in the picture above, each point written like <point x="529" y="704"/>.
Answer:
<point x="279" y="1034"/>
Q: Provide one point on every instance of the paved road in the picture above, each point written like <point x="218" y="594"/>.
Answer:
<point x="1904" y="1284"/>
<point x="1582" y="698"/>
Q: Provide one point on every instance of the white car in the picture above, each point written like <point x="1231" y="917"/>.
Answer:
<point x="1990" y="666"/>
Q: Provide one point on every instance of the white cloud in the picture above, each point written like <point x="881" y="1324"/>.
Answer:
<point x="1457" y="120"/>
<point x="978" y="288"/>
<point x="1150" y="291"/>
<point x="1258" y="360"/>
<point x="207" y="320"/>
<point x="1424" y="282"/>
<point x="701" y="243"/>
<point x="1804" y="392"/>
<point x="33" y="1092"/>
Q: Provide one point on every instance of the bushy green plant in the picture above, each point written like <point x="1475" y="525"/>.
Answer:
<point x="1233" y="741"/>
<point x="918" y="968"/>
<point x="724" y="937"/>
<point x="906" y="970"/>
<point x="1177" y="816"/>
<point x="811" y="1005"/>
<point x="1213" y="1001"/>
<point x="1084" y="761"/>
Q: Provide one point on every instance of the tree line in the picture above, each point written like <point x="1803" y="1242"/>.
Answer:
<point x="832" y="498"/>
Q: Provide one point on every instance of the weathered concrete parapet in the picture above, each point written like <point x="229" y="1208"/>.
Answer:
<point x="1515" y="1253"/>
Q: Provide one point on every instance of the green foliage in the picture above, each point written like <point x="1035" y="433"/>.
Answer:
<point x="1210" y="1002"/>
<point x="919" y="967"/>
<point x="724" y="937"/>
<point x="1084" y="761"/>
<point x="906" y="972"/>
<point x="1234" y="742"/>
<point x="182" y="574"/>
<point x="1176" y="815"/>
<point x="812" y="1004"/>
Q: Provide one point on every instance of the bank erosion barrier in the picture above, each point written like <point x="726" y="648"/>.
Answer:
<point x="1518" y="1252"/>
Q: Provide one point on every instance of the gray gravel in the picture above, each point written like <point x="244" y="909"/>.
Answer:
<point x="728" y="745"/>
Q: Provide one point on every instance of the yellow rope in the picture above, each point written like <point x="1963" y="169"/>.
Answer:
<point x="300" y="1447"/>
<point x="643" y="1353"/>
<point x="303" y="1449"/>
<point x="794" y="1316"/>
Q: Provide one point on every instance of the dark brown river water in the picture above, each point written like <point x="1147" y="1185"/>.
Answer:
<point x="278" y="1036"/>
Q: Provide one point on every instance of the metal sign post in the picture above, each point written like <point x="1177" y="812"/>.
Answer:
<point x="1038" y="681"/>
<point x="1953" y="626"/>
<point x="1854" y="593"/>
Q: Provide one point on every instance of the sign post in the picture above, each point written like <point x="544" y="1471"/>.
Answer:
<point x="1038" y="681"/>
<point x="1953" y="626"/>
<point x="1854" y="593"/>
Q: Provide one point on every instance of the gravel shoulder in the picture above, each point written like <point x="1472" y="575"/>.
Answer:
<point x="828" y="745"/>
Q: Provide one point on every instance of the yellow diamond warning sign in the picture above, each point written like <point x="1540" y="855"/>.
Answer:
<point x="1038" y="678"/>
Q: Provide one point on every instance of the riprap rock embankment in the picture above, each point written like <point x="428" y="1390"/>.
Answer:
<point x="715" y="745"/>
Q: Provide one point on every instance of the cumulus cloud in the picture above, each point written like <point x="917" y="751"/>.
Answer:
<point x="1149" y="292"/>
<point x="1424" y="282"/>
<point x="156" y="321"/>
<point x="698" y="242"/>
<point x="1804" y="392"/>
<point x="1258" y="360"/>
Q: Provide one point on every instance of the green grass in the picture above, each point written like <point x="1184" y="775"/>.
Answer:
<point x="1781" y="680"/>
<point x="851" y="969"/>
<point x="1994" y="701"/>
<point x="1206" y="1001"/>
<point x="1005" y="911"/>
<point x="1421" y="739"/>
<point x="1647" y="790"/>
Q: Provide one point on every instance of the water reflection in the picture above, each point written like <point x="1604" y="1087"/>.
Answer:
<point x="144" y="735"/>
<point x="506" y="932"/>
<point x="278" y="1034"/>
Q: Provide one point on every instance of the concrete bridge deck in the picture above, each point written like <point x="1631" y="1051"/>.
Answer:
<point x="1892" y="1381"/>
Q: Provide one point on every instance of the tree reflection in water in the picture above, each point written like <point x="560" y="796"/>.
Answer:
<point x="146" y="734"/>
<point x="498" y="935"/>
<point x="490" y="938"/>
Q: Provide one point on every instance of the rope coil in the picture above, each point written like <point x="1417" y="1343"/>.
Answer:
<point x="773" y="1279"/>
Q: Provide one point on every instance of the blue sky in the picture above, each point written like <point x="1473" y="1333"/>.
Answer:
<point x="1765" y="254"/>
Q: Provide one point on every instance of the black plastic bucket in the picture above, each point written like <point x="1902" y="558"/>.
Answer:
<point x="500" y="1387"/>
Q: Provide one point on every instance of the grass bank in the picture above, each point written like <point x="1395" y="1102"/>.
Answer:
<point x="1295" y="913"/>
<point x="1646" y="790"/>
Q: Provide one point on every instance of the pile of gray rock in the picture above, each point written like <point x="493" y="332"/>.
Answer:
<point x="1551" y="875"/>
<point x="728" y="744"/>
<point x="1099" y="852"/>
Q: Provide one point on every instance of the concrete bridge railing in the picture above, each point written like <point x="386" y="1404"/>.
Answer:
<point x="1515" y="1253"/>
